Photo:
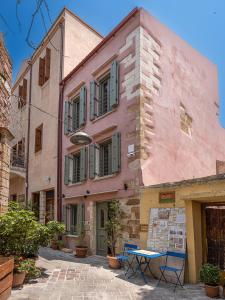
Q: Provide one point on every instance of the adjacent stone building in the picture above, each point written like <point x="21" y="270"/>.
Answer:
<point x="149" y="101"/>
<point x="5" y="135"/>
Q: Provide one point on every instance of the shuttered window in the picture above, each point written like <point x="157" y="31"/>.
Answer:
<point x="75" y="112"/>
<point x="105" y="158"/>
<point x="74" y="218"/>
<point x="104" y="93"/>
<point x="44" y="67"/>
<point x="75" y="167"/>
<point x="38" y="138"/>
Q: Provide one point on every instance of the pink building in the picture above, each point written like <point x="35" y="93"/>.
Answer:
<point x="150" y="103"/>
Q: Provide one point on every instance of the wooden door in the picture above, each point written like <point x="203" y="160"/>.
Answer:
<point x="49" y="206"/>
<point x="215" y="235"/>
<point x="101" y="235"/>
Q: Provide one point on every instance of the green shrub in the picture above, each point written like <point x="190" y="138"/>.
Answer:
<point x="55" y="229"/>
<point x="20" y="233"/>
<point x="210" y="274"/>
<point x="113" y="226"/>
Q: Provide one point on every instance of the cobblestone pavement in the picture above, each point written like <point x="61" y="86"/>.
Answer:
<point x="69" y="278"/>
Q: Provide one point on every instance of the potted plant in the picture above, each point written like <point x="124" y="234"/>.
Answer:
<point x="81" y="247"/>
<point x="60" y="244"/>
<point x="55" y="229"/>
<point x="210" y="276"/>
<point x="21" y="268"/>
<point x="113" y="229"/>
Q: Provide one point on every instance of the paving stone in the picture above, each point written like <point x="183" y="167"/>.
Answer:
<point x="71" y="278"/>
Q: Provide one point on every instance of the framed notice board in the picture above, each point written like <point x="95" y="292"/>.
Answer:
<point x="167" y="229"/>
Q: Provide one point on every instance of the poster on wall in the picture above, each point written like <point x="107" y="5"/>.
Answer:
<point x="167" y="229"/>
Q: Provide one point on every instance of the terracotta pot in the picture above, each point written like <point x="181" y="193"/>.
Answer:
<point x="113" y="262"/>
<point x="18" y="279"/>
<point x="211" y="291"/>
<point x="81" y="251"/>
<point x="54" y="245"/>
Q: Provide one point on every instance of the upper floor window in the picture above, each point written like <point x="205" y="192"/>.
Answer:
<point x="104" y="158"/>
<point x="22" y="94"/>
<point x="75" y="167"/>
<point x="44" y="67"/>
<point x="75" y="112"/>
<point x="38" y="138"/>
<point x="104" y="93"/>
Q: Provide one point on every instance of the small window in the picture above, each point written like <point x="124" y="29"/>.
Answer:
<point x="44" y="67"/>
<point x="38" y="138"/>
<point x="185" y="121"/>
<point x="105" y="158"/>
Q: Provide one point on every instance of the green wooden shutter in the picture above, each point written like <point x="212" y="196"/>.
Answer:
<point x="92" y="161"/>
<point x="80" y="218"/>
<point x="67" y="170"/>
<point x="92" y="99"/>
<point x="66" y="117"/>
<point x="114" y="85"/>
<point x="83" y="164"/>
<point x="116" y="145"/>
<point x="82" y="108"/>
<point x="75" y="114"/>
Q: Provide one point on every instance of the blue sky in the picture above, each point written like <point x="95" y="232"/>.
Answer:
<point x="201" y="23"/>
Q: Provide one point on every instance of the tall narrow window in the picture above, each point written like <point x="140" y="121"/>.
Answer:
<point x="44" y="67"/>
<point x="38" y="138"/>
<point x="75" y="114"/>
<point x="105" y="158"/>
<point x="104" y="95"/>
<point x="76" y="168"/>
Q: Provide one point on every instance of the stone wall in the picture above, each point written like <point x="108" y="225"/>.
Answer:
<point x="4" y="175"/>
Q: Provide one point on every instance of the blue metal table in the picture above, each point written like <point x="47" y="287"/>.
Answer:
<point x="143" y="258"/>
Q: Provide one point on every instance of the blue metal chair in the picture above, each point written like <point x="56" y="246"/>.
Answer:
<point x="124" y="258"/>
<point x="176" y="270"/>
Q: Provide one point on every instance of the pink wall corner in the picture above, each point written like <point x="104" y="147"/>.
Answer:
<point x="189" y="78"/>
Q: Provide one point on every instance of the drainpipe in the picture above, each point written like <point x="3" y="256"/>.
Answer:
<point x="60" y="127"/>
<point x="28" y="136"/>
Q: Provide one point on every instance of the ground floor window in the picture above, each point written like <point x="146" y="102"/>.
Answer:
<point x="73" y="217"/>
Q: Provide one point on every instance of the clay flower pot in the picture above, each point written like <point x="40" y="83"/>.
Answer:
<point x="113" y="262"/>
<point x="81" y="251"/>
<point x="211" y="291"/>
<point x="18" y="279"/>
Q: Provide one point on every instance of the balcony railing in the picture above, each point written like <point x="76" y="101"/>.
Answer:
<point x="17" y="160"/>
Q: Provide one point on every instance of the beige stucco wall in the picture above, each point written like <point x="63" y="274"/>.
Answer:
<point x="190" y="196"/>
<point x="78" y="40"/>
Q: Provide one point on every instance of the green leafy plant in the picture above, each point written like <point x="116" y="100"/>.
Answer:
<point x="113" y="226"/>
<point x="55" y="229"/>
<point x="60" y="244"/>
<point x="210" y="274"/>
<point x="26" y="265"/>
<point x="20" y="233"/>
